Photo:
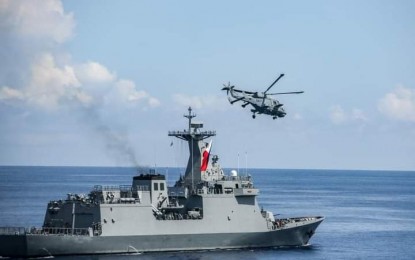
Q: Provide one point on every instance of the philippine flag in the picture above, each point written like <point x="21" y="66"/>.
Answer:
<point x="205" y="157"/>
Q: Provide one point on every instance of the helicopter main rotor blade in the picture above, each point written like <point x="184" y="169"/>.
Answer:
<point x="282" y="75"/>
<point x="283" y="93"/>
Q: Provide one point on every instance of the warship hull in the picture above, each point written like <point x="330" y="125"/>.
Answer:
<point x="36" y="245"/>
<point x="206" y="209"/>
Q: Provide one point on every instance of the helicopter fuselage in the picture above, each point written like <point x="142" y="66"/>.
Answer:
<point x="261" y="104"/>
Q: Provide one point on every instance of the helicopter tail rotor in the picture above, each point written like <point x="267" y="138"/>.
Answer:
<point x="227" y="86"/>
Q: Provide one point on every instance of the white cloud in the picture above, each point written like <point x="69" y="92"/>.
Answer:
<point x="46" y="74"/>
<point x="39" y="19"/>
<point x="32" y="33"/>
<point x="399" y="104"/>
<point x="125" y="91"/>
<point x="93" y="72"/>
<point x="49" y="85"/>
<point x="339" y="116"/>
<point x="128" y="91"/>
<point x="28" y="29"/>
<point x="7" y="93"/>
<point x="83" y="97"/>
<point x="358" y="114"/>
<point x="153" y="102"/>
<point x="199" y="102"/>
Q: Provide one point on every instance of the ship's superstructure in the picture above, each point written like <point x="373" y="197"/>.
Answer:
<point x="205" y="209"/>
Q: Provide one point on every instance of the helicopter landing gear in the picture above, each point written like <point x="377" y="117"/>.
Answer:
<point x="253" y="116"/>
<point x="274" y="117"/>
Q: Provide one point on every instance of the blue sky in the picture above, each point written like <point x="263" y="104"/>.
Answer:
<point x="99" y="83"/>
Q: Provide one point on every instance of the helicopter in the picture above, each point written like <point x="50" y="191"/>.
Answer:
<point x="261" y="102"/>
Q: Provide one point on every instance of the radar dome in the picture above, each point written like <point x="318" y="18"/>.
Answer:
<point x="234" y="173"/>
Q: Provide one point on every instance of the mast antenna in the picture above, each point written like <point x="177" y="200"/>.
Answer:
<point x="238" y="162"/>
<point x="246" y="164"/>
<point x="190" y="116"/>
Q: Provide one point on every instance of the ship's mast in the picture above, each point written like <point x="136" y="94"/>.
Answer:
<point x="189" y="117"/>
<point x="194" y="137"/>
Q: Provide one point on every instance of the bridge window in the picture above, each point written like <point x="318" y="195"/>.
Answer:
<point x="156" y="186"/>
<point x="161" y="186"/>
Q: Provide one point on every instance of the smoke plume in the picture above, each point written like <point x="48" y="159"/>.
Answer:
<point x="117" y="145"/>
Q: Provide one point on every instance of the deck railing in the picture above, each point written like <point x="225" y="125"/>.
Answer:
<point x="50" y="231"/>
<point x="61" y="231"/>
<point x="12" y="231"/>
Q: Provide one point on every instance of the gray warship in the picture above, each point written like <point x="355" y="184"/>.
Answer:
<point x="205" y="209"/>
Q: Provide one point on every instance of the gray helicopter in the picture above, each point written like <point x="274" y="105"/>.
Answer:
<point x="260" y="101"/>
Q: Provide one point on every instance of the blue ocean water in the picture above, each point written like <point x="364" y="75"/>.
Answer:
<point x="369" y="214"/>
